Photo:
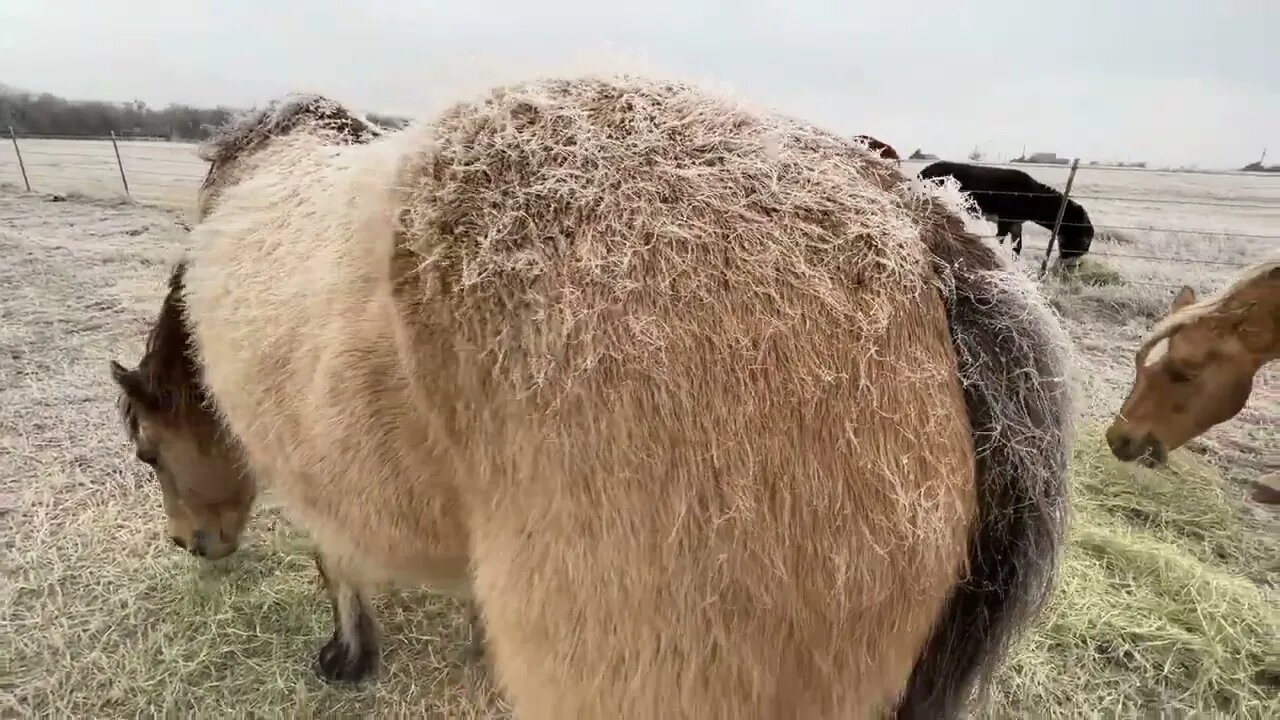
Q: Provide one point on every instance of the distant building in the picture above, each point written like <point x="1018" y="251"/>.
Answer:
<point x="1042" y="158"/>
<point x="1259" y="167"/>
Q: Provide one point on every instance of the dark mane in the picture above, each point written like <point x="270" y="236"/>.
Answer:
<point x="281" y="117"/>
<point x="884" y="149"/>
<point x="167" y="379"/>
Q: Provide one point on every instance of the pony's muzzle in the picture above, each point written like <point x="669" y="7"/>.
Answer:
<point x="1146" y="450"/>
<point x="1154" y="456"/>
<point x="200" y="543"/>
<point x="204" y="545"/>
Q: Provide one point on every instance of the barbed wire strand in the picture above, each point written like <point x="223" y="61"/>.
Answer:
<point x="1160" y="258"/>
<point x="106" y="158"/>
<point x="1058" y="166"/>
<point x="1083" y="196"/>
<point x="1133" y="199"/>
<point x="1030" y="249"/>
<point x="197" y="168"/>
<point x="1066" y="168"/>
<point x="1147" y="228"/>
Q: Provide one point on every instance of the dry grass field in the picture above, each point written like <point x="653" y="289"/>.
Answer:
<point x="1167" y="603"/>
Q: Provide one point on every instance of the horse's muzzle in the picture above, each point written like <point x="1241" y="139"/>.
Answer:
<point x="1146" y="450"/>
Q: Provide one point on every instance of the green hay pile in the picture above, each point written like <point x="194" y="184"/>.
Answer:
<point x="1160" y="606"/>
<point x="1159" y="610"/>
<point x="1092" y="273"/>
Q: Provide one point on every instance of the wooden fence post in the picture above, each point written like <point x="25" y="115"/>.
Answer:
<point x="125" y="181"/>
<point x="1057" y="224"/>
<point x="21" y="165"/>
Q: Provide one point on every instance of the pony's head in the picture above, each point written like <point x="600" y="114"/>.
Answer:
<point x="206" y="491"/>
<point x="881" y="148"/>
<point x="1196" y="368"/>
<point x="1076" y="234"/>
<point x="232" y="144"/>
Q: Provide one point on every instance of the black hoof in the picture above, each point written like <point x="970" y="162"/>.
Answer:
<point x="340" y="663"/>
<point x="473" y="651"/>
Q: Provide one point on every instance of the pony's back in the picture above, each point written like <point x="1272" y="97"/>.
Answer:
<point x="704" y="401"/>
<point x="986" y="178"/>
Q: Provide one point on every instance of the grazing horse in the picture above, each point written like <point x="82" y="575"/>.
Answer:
<point x="208" y="503"/>
<point x="709" y="419"/>
<point x="1011" y="197"/>
<point x="1196" y="367"/>
<point x="883" y="149"/>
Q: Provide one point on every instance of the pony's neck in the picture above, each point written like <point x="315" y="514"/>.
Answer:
<point x="1269" y="311"/>
<point x="1263" y="302"/>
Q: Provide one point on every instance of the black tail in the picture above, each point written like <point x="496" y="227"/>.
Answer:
<point x="1012" y="359"/>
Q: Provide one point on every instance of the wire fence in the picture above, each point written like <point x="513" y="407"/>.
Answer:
<point x="1183" y="218"/>
<point x="147" y="170"/>
<point x="1244" y="207"/>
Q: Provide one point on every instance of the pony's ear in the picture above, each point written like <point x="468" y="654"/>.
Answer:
<point x="131" y="384"/>
<point x="1185" y="297"/>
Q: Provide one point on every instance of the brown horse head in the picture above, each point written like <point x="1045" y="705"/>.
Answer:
<point x="1196" y="368"/>
<point x="882" y="149"/>
<point x="206" y="491"/>
<point x="244" y="136"/>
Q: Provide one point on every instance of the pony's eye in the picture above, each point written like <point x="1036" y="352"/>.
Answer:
<point x="148" y="457"/>
<point x="1180" y="376"/>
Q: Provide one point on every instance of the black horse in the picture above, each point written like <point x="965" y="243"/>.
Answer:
<point x="1011" y="197"/>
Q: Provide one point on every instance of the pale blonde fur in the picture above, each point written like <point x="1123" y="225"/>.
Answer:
<point x="675" y="377"/>
<point x="1203" y="307"/>
<point x="1196" y="368"/>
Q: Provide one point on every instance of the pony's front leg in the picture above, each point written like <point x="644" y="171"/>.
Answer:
<point x="351" y="655"/>
<point x="475" y="626"/>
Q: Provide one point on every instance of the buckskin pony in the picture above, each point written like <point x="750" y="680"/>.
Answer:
<point x="208" y="503"/>
<point x="1196" y="367"/>
<point x="712" y="414"/>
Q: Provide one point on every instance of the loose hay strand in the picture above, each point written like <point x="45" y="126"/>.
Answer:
<point x="634" y="147"/>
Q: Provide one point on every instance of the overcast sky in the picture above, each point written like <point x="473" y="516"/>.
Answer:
<point x="1169" y="81"/>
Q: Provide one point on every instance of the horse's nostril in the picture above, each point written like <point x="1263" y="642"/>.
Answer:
<point x="1153" y="452"/>
<point x="1120" y="446"/>
<point x="200" y="543"/>
<point x="178" y="541"/>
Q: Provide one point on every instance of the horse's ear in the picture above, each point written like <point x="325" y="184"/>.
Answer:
<point x="132" y="385"/>
<point x="1185" y="297"/>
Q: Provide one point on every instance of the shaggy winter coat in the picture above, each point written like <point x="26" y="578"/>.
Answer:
<point x="708" y="410"/>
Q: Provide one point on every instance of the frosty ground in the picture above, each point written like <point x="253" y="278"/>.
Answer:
<point x="1168" y="593"/>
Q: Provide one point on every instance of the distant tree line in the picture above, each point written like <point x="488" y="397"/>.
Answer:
<point x="46" y="114"/>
